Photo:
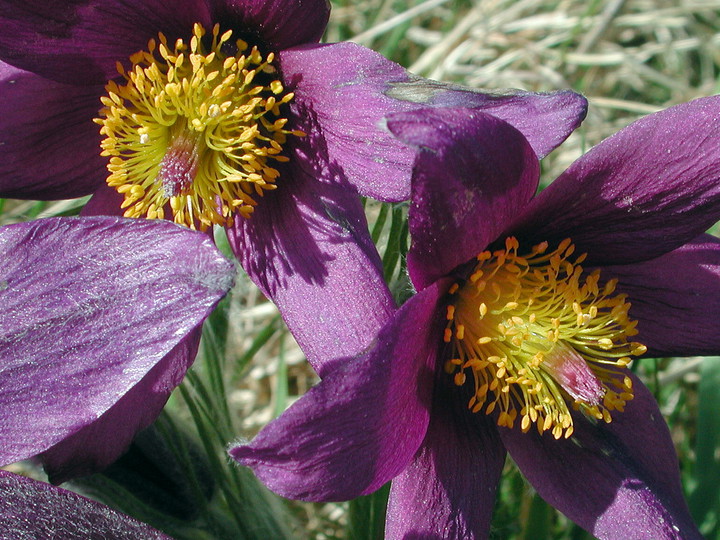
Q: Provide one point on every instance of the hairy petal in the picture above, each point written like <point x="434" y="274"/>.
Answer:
<point x="619" y="480"/>
<point x="545" y="119"/>
<point x="472" y="176"/>
<point x="448" y="490"/>
<point x="675" y="298"/>
<point x="361" y="425"/>
<point x="279" y="23"/>
<point x="346" y="91"/>
<point x="90" y="306"/>
<point x="99" y="444"/>
<point x="39" y="121"/>
<point x="32" y="509"/>
<point x="308" y="248"/>
<point x="645" y="191"/>
<point x="80" y="41"/>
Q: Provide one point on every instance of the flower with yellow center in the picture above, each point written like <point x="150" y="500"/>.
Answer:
<point x="195" y="128"/>
<point x="525" y="314"/>
<point x="304" y="237"/>
<point x="535" y="334"/>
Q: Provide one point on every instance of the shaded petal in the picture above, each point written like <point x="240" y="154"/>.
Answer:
<point x="340" y="92"/>
<point x="90" y="305"/>
<point x="308" y="248"/>
<point x="279" y="23"/>
<point x="49" y="145"/>
<point x="348" y="90"/>
<point x="361" y="425"/>
<point x="646" y="190"/>
<point x="80" y="41"/>
<point x="473" y="175"/>
<point x="32" y="509"/>
<point x="106" y="201"/>
<point x="448" y="490"/>
<point x="545" y="119"/>
<point x="100" y="443"/>
<point x="675" y="299"/>
<point x="619" y="480"/>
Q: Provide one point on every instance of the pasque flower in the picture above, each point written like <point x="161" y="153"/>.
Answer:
<point x="32" y="509"/>
<point x="229" y="112"/>
<point x="99" y="323"/>
<point x="528" y="310"/>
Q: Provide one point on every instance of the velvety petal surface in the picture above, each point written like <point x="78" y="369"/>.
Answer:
<point x="105" y="201"/>
<point x="619" y="480"/>
<point x="361" y="425"/>
<point x="545" y="119"/>
<point x="100" y="443"/>
<point x="90" y="306"/>
<point x="80" y="41"/>
<point x="645" y="191"/>
<point x="308" y="248"/>
<point x="340" y="92"/>
<point x="675" y="299"/>
<point x="279" y="23"/>
<point x="448" y="490"/>
<point x="473" y="175"/>
<point x="347" y="91"/>
<point x="40" y="120"/>
<point x="32" y="509"/>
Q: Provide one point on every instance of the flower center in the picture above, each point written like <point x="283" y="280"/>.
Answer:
<point x="535" y="335"/>
<point x="196" y="128"/>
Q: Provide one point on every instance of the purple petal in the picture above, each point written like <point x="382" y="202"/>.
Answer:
<point x="340" y="92"/>
<point x="99" y="444"/>
<point x="32" y="509"/>
<point x="448" y="490"/>
<point x="361" y="425"/>
<point x="39" y="121"/>
<point x="473" y="175"/>
<point x="90" y="305"/>
<point x="279" y="23"/>
<point x="643" y="192"/>
<point x="545" y="120"/>
<point x="308" y="248"/>
<point x="80" y="41"/>
<point x="106" y="201"/>
<point x="675" y="299"/>
<point x="619" y="480"/>
<point x="346" y="91"/>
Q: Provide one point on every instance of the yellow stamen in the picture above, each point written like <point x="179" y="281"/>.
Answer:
<point x="195" y="128"/>
<point x="535" y="336"/>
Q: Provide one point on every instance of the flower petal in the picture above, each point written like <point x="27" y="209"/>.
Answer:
<point x="675" y="299"/>
<point x="39" y="121"/>
<point x="640" y="193"/>
<point x="32" y="509"/>
<point x="80" y="41"/>
<point x="472" y="176"/>
<point x="105" y="201"/>
<point x="448" y="490"/>
<point x="90" y="305"/>
<point x="617" y="480"/>
<point x="545" y="119"/>
<point x="346" y="91"/>
<point x="308" y="248"/>
<point x="279" y="23"/>
<point x="100" y="443"/>
<point x="361" y="425"/>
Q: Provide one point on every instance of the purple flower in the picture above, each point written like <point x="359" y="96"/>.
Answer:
<point x="513" y="343"/>
<point x="100" y="321"/>
<point x="32" y="509"/>
<point x="246" y="122"/>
